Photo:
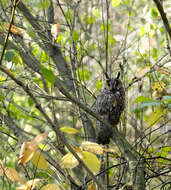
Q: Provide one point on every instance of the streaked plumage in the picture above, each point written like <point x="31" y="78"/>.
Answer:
<point x="110" y="104"/>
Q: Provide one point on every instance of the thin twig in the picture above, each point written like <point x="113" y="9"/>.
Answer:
<point x="61" y="137"/>
<point x="14" y="5"/>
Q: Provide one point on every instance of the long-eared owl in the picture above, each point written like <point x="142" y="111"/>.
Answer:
<point x="110" y="104"/>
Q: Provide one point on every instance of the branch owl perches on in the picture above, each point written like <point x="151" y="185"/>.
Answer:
<point x="110" y="104"/>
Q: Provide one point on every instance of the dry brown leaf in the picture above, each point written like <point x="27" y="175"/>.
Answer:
<point x="161" y="70"/>
<point x="77" y="149"/>
<point x="15" y="30"/>
<point x="39" y="138"/>
<point x="50" y="187"/>
<point x="29" y="148"/>
<point x="92" y="147"/>
<point x="92" y="187"/>
<point x="54" y="32"/>
<point x="32" y="183"/>
<point x="29" y="185"/>
<point x="110" y="150"/>
<point x="12" y="174"/>
<point x="27" y="151"/>
<point x="22" y="187"/>
<point x="1" y="168"/>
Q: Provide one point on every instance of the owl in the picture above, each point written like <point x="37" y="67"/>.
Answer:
<point x="110" y="104"/>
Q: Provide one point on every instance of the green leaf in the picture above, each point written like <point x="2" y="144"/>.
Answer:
<point x="143" y="99"/>
<point x="48" y="74"/>
<point x="147" y="104"/>
<point x="166" y="149"/>
<point x="46" y="3"/>
<point x="84" y="74"/>
<point x="75" y="36"/>
<point x="115" y="3"/>
<point x="90" y="20"/>
<point x="99" y="85"/>
<point x="9" y="55"/>
<point x="1" y="97"/>
<point x="69" y="15"/>
<point x="43" y="4"/>
<point x="167" y="99"/>
<point x="69" y="130"/>
<point x="44" y="57"/>
<point x="30" y="101"/>
<point x="96" y="13"/>
<point x="142" y="30"/>
<point x="154" y="13"/>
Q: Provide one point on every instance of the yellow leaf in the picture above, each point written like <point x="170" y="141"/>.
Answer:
<point x="12" y="174"/>
<point x="143" y="71"/>
<point x="162" y="70"/>
<point x="115" y="3"/>
<point x="69" y="130"/>
<point x="155" y="117"/>
<point x="22" y="187"/>
<point x="113" y="151"/>
<point x="39" y="160"/>
<point x="69" y="161"/>
<point x="29" y="185"/>
<point x="26" y="153"/>
<point x="50" y="187"/>
<point x="91" y="161"/>
<point x="92" y="147"/>
<point x="158" y="86"/>
<point x="32" y="183"/>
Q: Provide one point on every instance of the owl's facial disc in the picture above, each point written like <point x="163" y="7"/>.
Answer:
<point x="114" y="85"/>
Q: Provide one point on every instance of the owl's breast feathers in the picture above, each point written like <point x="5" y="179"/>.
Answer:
<point x="108" y="101"/>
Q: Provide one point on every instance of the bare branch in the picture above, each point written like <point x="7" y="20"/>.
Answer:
<point x="163" y="16"/>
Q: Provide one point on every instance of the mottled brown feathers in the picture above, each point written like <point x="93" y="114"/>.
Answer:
<point x="110" y="104"/>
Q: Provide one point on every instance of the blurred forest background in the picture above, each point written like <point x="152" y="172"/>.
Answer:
<point x="53" y="59"/>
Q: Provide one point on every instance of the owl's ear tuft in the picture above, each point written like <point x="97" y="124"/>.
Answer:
<point x="107" y="79"/>
<point x="107" y="76"/>
<point x="118" y="75"/>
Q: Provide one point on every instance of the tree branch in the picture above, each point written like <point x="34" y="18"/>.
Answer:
<point x="61" y="137"/>
<point x="53" y="50"/>
<point x="163" y="16"/>
<point x="14" y="5"/>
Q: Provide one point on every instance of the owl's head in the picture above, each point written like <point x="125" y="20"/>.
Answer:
<point x="113" y="84"/>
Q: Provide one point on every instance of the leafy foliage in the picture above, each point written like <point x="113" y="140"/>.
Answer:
<point x="52" y="68"/>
